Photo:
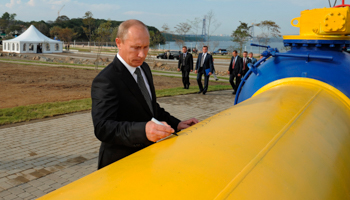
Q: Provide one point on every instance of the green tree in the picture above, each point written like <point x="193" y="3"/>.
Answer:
<point x="12" y="18"/>
<point x="62" y="21"/>
<point x="156" y="38"/>
<point x="102" y="34"/>
<point x="7" y="22"/>
<point x="42" y="27"/>
<point x="269" y="29"/>
<point x="15" y="29"/>
<point x="241" y="35"/>
<point x="5" y="16"/>
<point x="55" y="31"/>
<point x="89" y="24"/>
<point x="114" y="34"/>
<point x="67" y="34"/>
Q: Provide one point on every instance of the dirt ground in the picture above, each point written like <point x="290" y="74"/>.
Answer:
<point x="24" y="85"/>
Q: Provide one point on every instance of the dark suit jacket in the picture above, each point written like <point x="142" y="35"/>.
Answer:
<point x="120" y="112"/>
<point x="253" y="60"/>
<point x="245" y="67"/>
<point x="208" y="62"/>
<point x="238" y="66"/>
<point x="188" y="62"/>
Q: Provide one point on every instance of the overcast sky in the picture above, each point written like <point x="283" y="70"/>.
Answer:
<point x="156" y="13"/>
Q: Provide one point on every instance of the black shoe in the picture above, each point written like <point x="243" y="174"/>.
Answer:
<point x="234" y="92"/>
<point x="185" y="87"/>
<point x="199" y="92"/>
<point x="204" y="93"/>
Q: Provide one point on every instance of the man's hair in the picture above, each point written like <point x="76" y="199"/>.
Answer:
<point x="205" y="46"/>
<point x="124" y="27"/>
<point x="250" y="52"/>
<point x="235" y="51"/>
<point x="184" y="47"/>
<point x="245" y="51"/>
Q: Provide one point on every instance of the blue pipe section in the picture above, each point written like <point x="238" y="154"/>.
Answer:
<point x="317" y="61"/>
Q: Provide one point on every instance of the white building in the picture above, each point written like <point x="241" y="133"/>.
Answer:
<point x="32" y="41"/>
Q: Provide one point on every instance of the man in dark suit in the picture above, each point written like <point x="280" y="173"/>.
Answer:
<point x="124" y="100"/>
<point x="252" y="59"/>
<point x="235" y="70"/>
<point x="204" y="61"/>
<point x="245" y="61"/>
<point x="186" y="66"/>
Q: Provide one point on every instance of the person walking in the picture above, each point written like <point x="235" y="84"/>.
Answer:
<point x="185" y="65"/>
<point x="245" y="61"/>
<point x="235" y="71"/>
<point x="204" y="62"/>
<point x="252" y="59"/>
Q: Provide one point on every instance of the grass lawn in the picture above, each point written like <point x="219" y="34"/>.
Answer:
<point x="40" y="111"/>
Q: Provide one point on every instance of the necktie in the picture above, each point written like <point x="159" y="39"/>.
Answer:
<point x="202" y="62"/>
<point x="233" y="63"/>
<point x="183" y="60"/>
<point x="243" y="63"/>
<point x="143" y="88"/>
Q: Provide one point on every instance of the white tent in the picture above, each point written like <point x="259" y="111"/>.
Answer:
<point x="32" y="41"/>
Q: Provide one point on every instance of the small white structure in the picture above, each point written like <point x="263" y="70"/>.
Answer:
<point x="32" y="41"/>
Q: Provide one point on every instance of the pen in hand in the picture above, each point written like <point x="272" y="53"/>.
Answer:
<point x="160" y="123"/>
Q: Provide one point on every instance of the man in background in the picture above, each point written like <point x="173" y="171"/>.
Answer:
<point x="252" y="59"/>
<point x="185" y="65"/>
<point x="204" y="62"/>
<point x="124" y="100"/>
<point x="235" y="71"/>
<point x="261" y="57"/>
<point x="245" y="61"/>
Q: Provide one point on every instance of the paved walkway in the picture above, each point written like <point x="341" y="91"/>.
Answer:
<point x="41" y="156"/>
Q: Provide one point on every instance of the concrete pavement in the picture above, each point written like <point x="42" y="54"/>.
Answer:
<point x="43" y="155"/>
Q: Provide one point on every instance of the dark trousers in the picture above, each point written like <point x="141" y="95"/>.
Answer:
<point x="199" y="81"/>
<point x="238" y="81"/>
<point x="186" y="78"/>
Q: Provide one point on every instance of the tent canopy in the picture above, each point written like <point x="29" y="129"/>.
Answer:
<point x="32" y="41"/>
<point x="33" y="35"/>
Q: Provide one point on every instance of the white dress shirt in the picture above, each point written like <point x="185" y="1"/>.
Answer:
<point x="204" y="54"/>
<point x="235" y="58"/>
<point x="132" y="72"/>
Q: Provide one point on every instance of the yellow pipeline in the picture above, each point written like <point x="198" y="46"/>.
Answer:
<point x="290" y="141"/>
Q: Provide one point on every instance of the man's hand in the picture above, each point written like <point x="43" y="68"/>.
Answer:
<point x="209" y="73"/>
<point x="195" y="71"/>
<point x="191" y="70"/>
<point x="239" y="75"/>
<point x="155" y="132"/>
<point x="187" y="123"/>
<point x="178" y="69"/>
<point x="228" y="72"/>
